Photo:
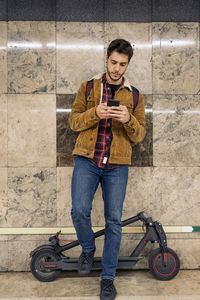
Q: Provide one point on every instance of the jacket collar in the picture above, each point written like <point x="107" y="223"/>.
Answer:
<point x="126" y="81"/>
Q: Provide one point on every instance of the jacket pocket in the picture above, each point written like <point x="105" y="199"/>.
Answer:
<point x="84" y="139"/>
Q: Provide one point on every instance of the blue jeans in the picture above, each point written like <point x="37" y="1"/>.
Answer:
<point x="85" y="180"/>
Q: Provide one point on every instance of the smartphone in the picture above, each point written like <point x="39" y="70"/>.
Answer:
<point x="112" y="102"/>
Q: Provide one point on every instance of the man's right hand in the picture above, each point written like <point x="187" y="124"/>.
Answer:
<point x="102" y="111"/>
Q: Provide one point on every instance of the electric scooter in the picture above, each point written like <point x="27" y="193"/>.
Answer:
<point x="47" y="261"/>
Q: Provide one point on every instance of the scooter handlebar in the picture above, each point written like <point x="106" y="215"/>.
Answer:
<point x="143" y="218"/>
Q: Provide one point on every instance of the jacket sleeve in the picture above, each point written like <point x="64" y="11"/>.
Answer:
<point x="136" y="127"/>
<point x="82" y="118"/>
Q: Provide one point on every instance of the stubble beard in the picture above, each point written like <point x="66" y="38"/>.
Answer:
<point x="114" y="79"/>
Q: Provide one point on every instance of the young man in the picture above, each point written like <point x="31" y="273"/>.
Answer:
<point x="103" y="150"/>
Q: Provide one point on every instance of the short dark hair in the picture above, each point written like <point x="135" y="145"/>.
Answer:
<point x="121" y="46"/>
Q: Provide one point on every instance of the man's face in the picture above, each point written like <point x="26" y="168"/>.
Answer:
<point x="117" y="64"/>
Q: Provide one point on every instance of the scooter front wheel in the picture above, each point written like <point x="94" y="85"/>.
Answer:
<point x="164" y="266"/>
<point x="39" y="258"/>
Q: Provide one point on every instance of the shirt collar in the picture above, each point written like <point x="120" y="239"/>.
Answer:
<point x="126" y="81"/>
<point x="104" y="80"/>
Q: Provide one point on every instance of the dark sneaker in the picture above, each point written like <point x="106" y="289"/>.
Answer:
<point x="85" y="262"/>
<point x="108" y="290"/>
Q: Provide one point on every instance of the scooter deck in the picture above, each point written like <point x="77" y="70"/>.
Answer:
<point x="67" y="263"/>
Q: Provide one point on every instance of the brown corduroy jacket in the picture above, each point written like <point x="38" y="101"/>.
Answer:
<point x="84" y="119"/>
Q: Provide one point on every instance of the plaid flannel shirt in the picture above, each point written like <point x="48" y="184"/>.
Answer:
<point x="104" y="139"/>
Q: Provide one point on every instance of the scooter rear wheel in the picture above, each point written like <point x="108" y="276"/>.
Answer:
<point x="158" y="267"/>
<point x="41" y="273"/>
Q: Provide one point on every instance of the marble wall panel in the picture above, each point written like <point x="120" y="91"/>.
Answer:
<point x="139" y="71"/>
<point x="4" y="258"/>
<point x="32" y="130"/>
<point x="66" y="138"/>
<point x="80" y="54"/>
<point x="168" y="190"/>
<point x="170" y="195"/>
<point x="137" y="198"/>
<point x="3" y="197"/>
<point x="22" y="263"/>
<point x="64" y="176"/>
<point x="31" y="197"/>
<point x="175" y="58"/>
<point x="142" y="154"/>
<point x="3" y="57"/>
<point x="3" y="130"/>
<point x="187" y="250"/>
<point x="177" y="195"/>
<point x="140" y="193"/>
<point x="31" y="57"/>
<point x="176" y="130"/>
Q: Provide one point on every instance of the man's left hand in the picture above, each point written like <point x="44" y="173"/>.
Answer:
<point x="119" y="113"/>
